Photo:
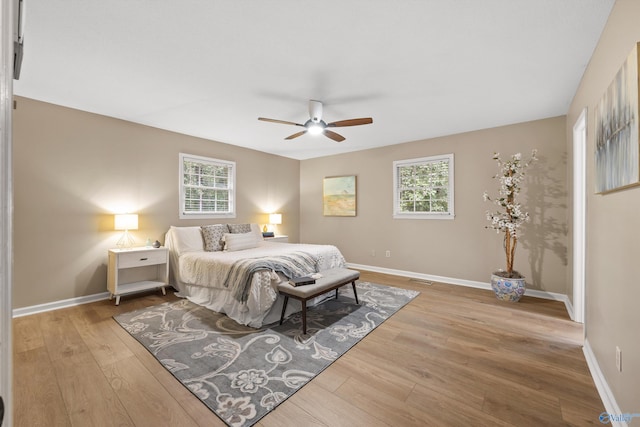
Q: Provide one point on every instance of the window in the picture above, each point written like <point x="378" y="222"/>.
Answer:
<point x="207" y="187"/>
<point x="423" y="188"/>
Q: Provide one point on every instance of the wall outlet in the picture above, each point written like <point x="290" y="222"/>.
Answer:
<point x="387" y="254"/>
<point x="618" y="359"/>
<point x="373" y="252"/>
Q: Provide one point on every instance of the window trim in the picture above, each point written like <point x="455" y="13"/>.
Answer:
<point x="232" y="190"/>
<point x="423" y="215"/>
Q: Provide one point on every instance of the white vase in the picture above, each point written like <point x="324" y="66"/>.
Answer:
<point x="508" y="289"/>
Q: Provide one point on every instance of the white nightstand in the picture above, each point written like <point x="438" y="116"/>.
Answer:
<point x="136" y="270"/>
<point x="278" y="238"/>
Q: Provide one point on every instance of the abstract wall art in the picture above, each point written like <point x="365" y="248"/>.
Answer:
<point x="617" y="155"/>
<point x="339" y="196"/>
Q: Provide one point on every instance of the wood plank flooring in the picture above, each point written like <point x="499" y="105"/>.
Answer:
<point x="454" y="356"/>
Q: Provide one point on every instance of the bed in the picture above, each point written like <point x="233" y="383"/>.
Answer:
<point x="202" y="260"/>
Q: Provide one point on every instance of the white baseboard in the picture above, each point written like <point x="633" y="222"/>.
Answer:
<point x="463" y="282"/>
<point x="25" y="311"/>
<point x="608" y="399"/>
<point x="56" y="305"/>
<point x="569" y="306"/>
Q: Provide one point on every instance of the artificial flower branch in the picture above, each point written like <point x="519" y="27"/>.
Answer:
<point x="510" y="217"/>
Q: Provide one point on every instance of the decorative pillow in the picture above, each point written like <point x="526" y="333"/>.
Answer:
<point x="213" y="235"/>
<point x="186" y="239"/>
<point x="239" y="228"/>
<point x="240" y="241"/>
<point x="246" y="228"/>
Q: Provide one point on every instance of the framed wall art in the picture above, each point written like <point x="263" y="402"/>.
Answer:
<point x="339" y="196"/>
<point x="617" y="128"/>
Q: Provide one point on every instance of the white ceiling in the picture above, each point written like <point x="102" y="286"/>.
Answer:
<point x="210" y="68"/>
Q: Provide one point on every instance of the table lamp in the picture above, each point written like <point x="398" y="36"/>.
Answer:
<point x="125" y="222"/>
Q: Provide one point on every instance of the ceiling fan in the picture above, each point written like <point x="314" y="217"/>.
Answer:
<point x="316" y="126"/>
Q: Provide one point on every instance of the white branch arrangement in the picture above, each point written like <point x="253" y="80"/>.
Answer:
<point x="510" y="216"/>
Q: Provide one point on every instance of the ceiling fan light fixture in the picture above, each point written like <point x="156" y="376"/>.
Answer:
<point x="315" y="129"/>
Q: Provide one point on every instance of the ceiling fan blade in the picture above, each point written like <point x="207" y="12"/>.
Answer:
<point x="295" y="135"/>
<point x="279" y="121"/>
<point x="351" y="122"/>
<point x="336" y="137"/>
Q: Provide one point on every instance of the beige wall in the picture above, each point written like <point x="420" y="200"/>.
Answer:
<point x="73" y="170"/>
<point x="613" y="224"/>
<point x="461" y="248"/>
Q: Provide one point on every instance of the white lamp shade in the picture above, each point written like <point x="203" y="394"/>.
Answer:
<point x="125" y="222"/>
<point x="275" y="218"/>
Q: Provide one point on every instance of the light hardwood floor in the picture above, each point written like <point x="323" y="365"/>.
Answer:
<point x="454" y="356"/>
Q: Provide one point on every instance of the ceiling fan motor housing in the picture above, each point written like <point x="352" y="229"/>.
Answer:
<point x="315" y="111"/>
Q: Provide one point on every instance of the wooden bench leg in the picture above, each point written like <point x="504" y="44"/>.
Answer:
<point x="355" y="293"/>
<point x="304" y="317"/>
<point x="284" y="307"/>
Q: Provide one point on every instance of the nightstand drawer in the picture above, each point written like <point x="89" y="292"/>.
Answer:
<point x="142" y="258"/>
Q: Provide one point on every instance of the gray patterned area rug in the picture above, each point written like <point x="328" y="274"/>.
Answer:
<point x="242" y="373"/>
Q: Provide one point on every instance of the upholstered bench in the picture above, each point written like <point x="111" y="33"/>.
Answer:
<point x="330" y="280"/>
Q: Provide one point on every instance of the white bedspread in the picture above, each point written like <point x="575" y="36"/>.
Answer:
<point x="200" y="276"/>
<point x="211" y="268"/>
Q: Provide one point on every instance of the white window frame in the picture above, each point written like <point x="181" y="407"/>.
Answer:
<point x="231" y="213"/>
<point x="397" y="214"/>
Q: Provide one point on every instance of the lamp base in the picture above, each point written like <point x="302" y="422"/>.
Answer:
<point x="126" y="241"/>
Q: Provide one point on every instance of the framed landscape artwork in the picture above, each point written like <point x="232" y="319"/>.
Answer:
<point x="617" y="128"/>
<point x="339" y="196"/>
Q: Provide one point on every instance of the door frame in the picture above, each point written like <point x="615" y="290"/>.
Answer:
<point x="6" y="206"/>
<point x="579" y="216"/>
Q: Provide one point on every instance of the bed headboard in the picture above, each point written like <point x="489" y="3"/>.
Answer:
<point x="184" y="239"/>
